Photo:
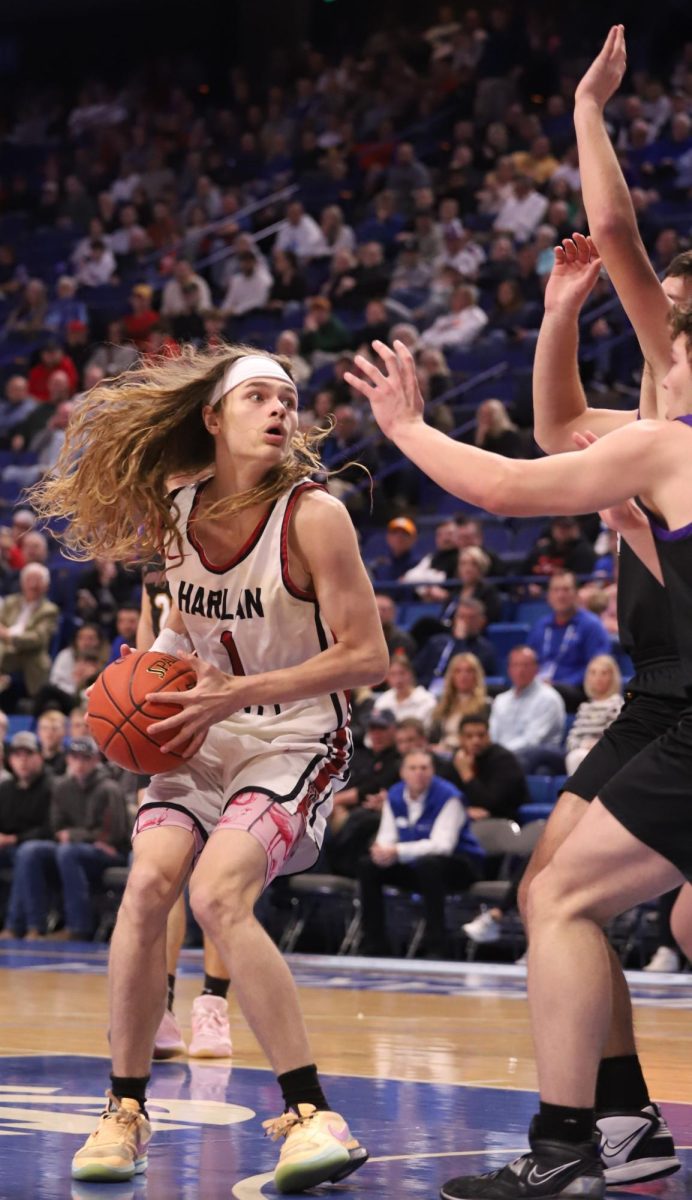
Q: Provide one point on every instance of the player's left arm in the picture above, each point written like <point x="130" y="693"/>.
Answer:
<point x="326" y="546"/>
<point x="629" y="461"/>
<point x="330" y="559"/>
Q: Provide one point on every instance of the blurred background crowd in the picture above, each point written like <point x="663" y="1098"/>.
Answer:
<point x="393" y="176"/>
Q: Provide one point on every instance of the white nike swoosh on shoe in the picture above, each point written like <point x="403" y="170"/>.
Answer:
<point x="611" y="1149"/>
<point x="535" y="1177"/>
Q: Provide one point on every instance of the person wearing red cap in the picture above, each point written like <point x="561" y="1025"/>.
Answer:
<point x="400" y="556"/>
<point x="52" y="358"/>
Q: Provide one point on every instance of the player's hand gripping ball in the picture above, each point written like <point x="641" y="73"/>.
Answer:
<point x="119" y="716"/>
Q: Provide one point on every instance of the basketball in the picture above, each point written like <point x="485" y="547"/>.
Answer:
<point x="119" y="716"/>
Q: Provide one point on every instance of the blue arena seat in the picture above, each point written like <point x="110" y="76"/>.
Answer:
<point x="505" y="636"/>
<point x="18" y="723"/>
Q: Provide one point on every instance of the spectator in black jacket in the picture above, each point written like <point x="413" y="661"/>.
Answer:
<point x="398" y="640"/>
<point x="464" y="637"/>
<point x="24" y="803"/>
<point x="356" y="815"/>
<point x="51" y="729"/>
<point x="88" y="832"/>
<point x="489" y="776"/>
<point x="563" y="549"/>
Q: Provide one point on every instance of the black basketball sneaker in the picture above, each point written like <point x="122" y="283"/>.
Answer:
<point x="636" y="1146"/>
<point x="550" y="1171"/>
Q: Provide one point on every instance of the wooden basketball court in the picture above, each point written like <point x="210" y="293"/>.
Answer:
<point x="432" y="1065"/>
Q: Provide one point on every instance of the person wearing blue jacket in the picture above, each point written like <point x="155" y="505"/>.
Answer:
<point x="424" y="844"/>
<point x="566" y="640"/>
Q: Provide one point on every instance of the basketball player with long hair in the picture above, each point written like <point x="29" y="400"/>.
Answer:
<point x="270" y="592"/>
<point x="211" y="1035"/>
<point x="627" y="848"/>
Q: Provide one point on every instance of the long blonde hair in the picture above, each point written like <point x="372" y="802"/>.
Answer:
<point x="132" y="434"/>
<point x="450" y="702"/>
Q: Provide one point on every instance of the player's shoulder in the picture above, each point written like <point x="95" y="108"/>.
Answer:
<point x="314" y="504"/>
<point x="652" y="428"/>
<point x="321" y="527"/>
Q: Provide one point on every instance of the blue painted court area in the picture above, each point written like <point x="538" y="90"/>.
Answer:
<point x="209" y="1141"/>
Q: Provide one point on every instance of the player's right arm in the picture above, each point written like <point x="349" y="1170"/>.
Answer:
<point x="145" y="629"/>
<point x="560" y="409"/>
<point x="609" y="209"/>
<point x="145" y="625"/>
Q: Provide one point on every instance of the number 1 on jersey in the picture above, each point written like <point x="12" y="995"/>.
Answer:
<point x="228" y="643"/>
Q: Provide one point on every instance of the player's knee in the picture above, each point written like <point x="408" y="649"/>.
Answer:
<point x="218" y="905"/>
<point x="150" y="893"/>
<point x="550" y="897"/>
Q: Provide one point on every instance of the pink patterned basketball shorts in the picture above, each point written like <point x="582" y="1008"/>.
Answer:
<point x="279" y="791"/>
<point x="277" y="830"/>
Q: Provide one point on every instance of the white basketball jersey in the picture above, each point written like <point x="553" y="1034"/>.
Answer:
<point x="248" y="617"/>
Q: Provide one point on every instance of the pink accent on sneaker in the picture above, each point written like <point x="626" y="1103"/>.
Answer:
<point x="169" y="1039"/>
<point x="211" y="1036"/>
<point x="341" y="1132"/>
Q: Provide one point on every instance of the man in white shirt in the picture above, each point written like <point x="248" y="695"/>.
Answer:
<point x="461" y="250"/>
<point x="173" y="296"/>
<point x="300" y="233"/>
<point x="121" y="242"/>
<point x="249" y="288"/>
<point x="522" y="212"/>
<point x="461" y="325"/>
<point x="97" y="266"/>
<point x="529" y="719"/>
<point x="424" y="845"/>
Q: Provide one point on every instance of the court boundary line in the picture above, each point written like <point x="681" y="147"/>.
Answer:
<point x="487" y="1087"/>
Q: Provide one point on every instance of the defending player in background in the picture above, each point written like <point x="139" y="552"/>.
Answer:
<point x="211" y="1035"/>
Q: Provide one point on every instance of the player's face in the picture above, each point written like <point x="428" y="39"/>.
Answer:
<point x="256" y="420"/>
<point x="677" y="384"/>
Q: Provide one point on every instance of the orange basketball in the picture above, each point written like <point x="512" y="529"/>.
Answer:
<point x="119" y="716"/>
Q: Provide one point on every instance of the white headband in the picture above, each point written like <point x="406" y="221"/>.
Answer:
<point x="252" y="366"/>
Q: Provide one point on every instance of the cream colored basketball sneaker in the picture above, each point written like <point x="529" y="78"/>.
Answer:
<point x="117" y="1149"/>
<point x="318" y="1148"/>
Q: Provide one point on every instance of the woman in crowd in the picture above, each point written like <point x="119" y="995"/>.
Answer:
<point x="496" y="431"/>
<point x="603" y="686"/>
<point x="464" y="694"/>
<point x="404" y="696"/>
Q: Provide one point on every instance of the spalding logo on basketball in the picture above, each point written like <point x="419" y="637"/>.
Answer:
<point x="120" y="718"/>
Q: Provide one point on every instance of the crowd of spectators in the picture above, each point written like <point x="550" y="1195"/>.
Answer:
<point x="414" y="189"/>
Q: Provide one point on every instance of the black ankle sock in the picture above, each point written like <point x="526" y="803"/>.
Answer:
<point x="171" y="992"/>
<point x="134" y="1087"/>
<point x="302" y="1086"/>
<point x="213" y="986"/>
<point x="620" y="1086"/>
<point x="561" y="1124"/>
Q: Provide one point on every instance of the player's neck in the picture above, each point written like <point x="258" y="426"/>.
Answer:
<point x="232" y="478"/>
